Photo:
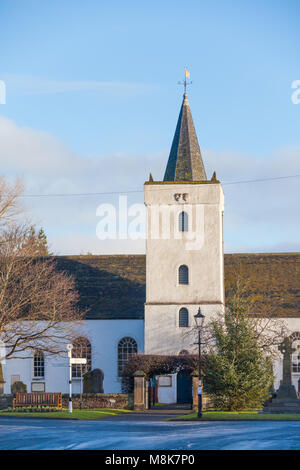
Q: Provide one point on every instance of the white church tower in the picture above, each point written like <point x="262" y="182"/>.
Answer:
<point x="184" y="253"/>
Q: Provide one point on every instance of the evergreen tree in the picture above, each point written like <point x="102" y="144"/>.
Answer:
<point x="38" y="242"/>
<point x="43" y="243"/>
<point x="238" y="373"/>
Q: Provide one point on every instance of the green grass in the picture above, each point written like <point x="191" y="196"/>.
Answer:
<point x="64" y="414"/>
<point x="237" y="416"/>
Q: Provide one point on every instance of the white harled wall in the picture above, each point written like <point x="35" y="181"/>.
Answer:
<point x="204" y="204"/>
<point x="201" y="249"/>
<point x="104" y="336"/>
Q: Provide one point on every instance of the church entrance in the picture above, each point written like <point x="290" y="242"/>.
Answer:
<point x="184" y="388"/>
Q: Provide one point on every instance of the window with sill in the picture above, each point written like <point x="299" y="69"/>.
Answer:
<point x="183" y="222"/>
<point x="183" y="274"/>
<point x="126" y="348"/>
<point x="183" y="318"/>
<point x="38" y="365"/>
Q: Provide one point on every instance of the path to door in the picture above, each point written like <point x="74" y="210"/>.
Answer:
<point x="158" y="413"/>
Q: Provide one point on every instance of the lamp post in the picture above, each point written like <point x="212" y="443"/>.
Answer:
<point x="199" y="319"/>
<point x="69" y="349"/>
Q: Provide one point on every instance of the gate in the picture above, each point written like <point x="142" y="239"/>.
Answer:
<point x="184" y="388"/>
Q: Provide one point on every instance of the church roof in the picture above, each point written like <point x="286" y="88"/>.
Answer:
<point x="113" y="286"/>
<point x="110" y="286"/>
<point x="272" y="279"/>
<point x="185" y="161"/>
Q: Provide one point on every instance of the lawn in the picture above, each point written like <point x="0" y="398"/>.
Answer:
<point x="237" y="416"/>
<point x="64" y="414"/>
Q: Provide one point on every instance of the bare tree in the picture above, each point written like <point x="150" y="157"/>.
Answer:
<point x="38" y="303"/>
<point x="10" y="205"/>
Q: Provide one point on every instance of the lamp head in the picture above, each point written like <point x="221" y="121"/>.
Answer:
<point x="199" y="318"/>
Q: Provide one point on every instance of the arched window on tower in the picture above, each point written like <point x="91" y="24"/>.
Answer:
<point x="126" y="348"/>
<point x="183" y="274"/>
<point x="183" y="221"/>
<point x="183" y="317"/>
<point x="38" y="365"/>
<point x="81" y="349"/>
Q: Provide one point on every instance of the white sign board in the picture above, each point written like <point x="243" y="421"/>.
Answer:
<point x="38" y="386"/>
<point x="165" y="381"/>
<point x="78" y="360"/>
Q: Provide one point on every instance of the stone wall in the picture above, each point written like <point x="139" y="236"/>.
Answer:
<point x="6" y="401"/>
<point x="206" y="403"/>
<point x="99" y="400"/>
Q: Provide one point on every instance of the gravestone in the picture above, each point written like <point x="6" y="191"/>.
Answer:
<point x="286" y="400"/>
<point x="287" y="389"/>
<point x="93" y="381"/>
<point x="18" y="387"/>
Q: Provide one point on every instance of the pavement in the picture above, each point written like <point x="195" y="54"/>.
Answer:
<point x="155" y="414"/>
<point x="145" y="433"/>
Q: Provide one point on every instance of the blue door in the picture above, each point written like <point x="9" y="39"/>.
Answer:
<point x="184" y="387"/>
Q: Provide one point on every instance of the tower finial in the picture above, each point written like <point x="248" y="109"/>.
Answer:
<point x="185" y="82"/>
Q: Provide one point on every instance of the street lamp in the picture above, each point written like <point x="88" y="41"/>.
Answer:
<point x="69" y="349"/>
<point x="199" y="319"/>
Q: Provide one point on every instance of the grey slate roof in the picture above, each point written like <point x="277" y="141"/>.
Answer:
<point x="185" y="161"/>
<point x="113" y="286"/>
<point x="110" y="286"/>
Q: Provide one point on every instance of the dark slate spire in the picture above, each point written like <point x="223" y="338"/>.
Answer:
<point x="185" y="160"/>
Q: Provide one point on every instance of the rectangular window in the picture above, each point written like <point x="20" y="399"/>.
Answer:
<point x="296" y="367"/>
<point x="38" y="366"/>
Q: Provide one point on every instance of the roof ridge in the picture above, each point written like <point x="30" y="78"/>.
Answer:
<point x="135" y="255"/>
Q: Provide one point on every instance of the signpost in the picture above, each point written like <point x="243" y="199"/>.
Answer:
<point x="78" y="360"/>
<point x="72" y="360"/>
<point x="81" y="361"/>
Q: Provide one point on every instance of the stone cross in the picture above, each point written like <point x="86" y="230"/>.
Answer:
<point x="287" y="350"/>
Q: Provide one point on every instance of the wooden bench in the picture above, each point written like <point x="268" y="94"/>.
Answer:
<point x="38" y="399"/>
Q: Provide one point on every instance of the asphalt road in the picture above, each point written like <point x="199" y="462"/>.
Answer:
<point x="21" y="434"/>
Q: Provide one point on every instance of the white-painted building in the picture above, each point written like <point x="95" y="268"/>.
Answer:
<point x="105" y="337"/>
<point x="147" y="304"/>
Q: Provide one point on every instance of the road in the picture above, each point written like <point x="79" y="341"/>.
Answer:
<point x="24" y="434"/>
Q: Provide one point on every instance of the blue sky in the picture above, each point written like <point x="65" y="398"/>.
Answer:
<point x="95" y="83"/>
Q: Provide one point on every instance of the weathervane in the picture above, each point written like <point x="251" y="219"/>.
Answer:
<point x="185" y="82"/>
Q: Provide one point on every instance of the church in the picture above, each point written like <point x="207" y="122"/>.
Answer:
<point x="146" y="303"/>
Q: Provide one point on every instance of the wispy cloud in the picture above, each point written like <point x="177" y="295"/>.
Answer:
<point x="258" y="216"/>
<point x="33" y="85"/>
